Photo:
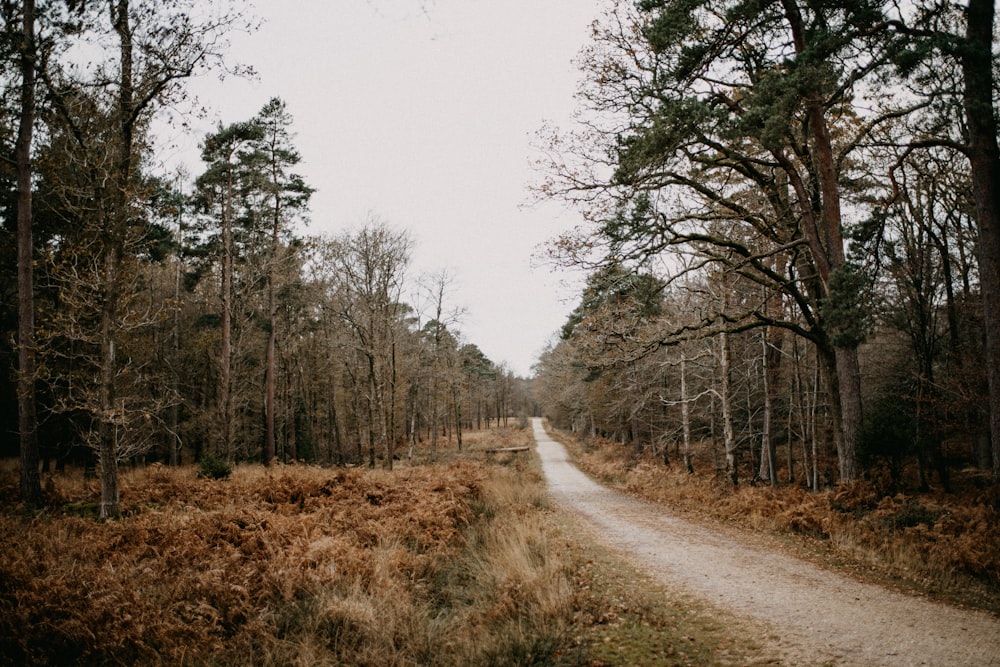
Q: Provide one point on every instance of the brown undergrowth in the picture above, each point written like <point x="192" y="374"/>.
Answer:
<point x="947" y="545"/>
<point x="444" y="564"/>
<point x="457" y="562"/>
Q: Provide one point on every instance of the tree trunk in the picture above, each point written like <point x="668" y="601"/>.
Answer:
<point x="849" y="386"/>
<point x="433" y="409"/>
<point x="371" y="410"/>
<point x="107" y="429"/>
<point x="390" y="422"/>
<point x="458" y="418"/>
<point x="116" y="220"/>
<point x="728" y="436"/>
<point x="713" y="434"/>
<point x="827" y="246"/>
<point x="225" y="344"/>
<point x="175" y="335"/>
<point x="796" y="400"/>
<point x="813" y="435"/>
<point x="984" y="158"/>
<point x="768" y="463"/>
<point x="291" y="403"/>
<point x="30" y="484"/>
<point x="412" y="435"/>
<point x="634" y="429"/>
<point x="269" y="379"/>
<point x="686" y="416"/>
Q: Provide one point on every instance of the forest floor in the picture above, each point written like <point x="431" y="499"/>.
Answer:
<point x="800" y="612"/>
<point x="454" y="559"/>
<point x="474" y="558"/>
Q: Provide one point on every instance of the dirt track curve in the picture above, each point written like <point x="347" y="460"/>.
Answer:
<point x="817" y="616"/>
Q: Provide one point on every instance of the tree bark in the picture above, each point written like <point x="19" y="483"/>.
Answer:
<point x="827" y="246"/>
<point x="225" y="343"/>
<point x="390" y="418"/>
<point x="984" y="159"/>
<point x="272" y="316"/>
<point x="771" y="358"/>
<point x="116" y="222"/>
<point x="30" y="484"/>
<point x="458" y="416"/>
<point x="849" y="387"/>
<point x="371" y="410"/>
<point x="175" y="334"/>
<point x="686" y="416"/>
<point x="728" y="436"/>
<point x="290" y="402"/>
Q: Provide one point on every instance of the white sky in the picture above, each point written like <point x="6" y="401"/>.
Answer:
<point x="423" y="113"/>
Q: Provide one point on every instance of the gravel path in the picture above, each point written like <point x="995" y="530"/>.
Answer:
<point x="813" y="616"/>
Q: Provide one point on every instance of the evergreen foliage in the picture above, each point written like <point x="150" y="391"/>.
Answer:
<point x="733" y="149"/>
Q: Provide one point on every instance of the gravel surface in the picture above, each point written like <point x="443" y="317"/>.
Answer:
<point x="811" y="615"/>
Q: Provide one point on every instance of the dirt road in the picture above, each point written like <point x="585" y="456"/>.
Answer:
<point x="813" y="616"/>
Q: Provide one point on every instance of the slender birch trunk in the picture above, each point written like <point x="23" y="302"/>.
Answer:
<point x="725" y="397"/>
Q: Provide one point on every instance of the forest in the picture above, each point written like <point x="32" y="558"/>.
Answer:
<point x="790" y="224"/>
<point x="153" y="315"/>
<point x="228" y="439"/>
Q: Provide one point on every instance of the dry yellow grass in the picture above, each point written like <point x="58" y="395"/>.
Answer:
<point x="460" y="562"/>
<point x="215" y="565"/>
<point x="443" y="564"/>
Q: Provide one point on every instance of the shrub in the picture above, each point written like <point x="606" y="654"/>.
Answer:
<point x="888" y="435"/>
<point x="214" y="467"/>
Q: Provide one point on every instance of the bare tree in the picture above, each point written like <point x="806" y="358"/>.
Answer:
<point x="443" y="348"/>
<point x="158" y="46"/>
<point x="30" y="485"/>
<point x="724" y="153"/>
<point x="371" y="269"/>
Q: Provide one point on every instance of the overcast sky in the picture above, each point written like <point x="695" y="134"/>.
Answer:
<point x="423" y="113"/>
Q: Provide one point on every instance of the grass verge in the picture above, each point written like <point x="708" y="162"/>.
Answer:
<point x="623" y="617"/>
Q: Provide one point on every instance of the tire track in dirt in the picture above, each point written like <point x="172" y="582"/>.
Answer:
<point x="818" y="616"/>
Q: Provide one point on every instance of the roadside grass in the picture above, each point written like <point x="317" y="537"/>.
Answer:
<point x="943" y="545"/>
<point x="616" y="615"/>
<point x="459" y="562"/>
<point x="621" y="616"/>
